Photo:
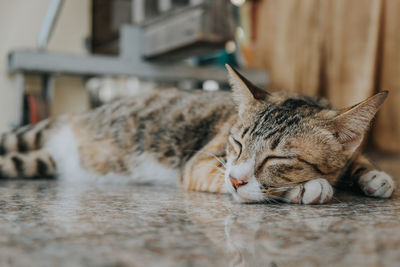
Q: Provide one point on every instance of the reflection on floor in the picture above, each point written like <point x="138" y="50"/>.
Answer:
<point x="50" y="223"/>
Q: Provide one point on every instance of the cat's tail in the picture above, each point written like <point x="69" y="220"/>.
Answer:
<point x="21" y="155"/>
<point x="26" y="138"/>
<point x="34" y="164"/>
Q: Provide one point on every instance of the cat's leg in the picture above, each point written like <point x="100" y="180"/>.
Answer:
<point x="27" y="165"/>
<point x="316" y="191"/>
<point x="205" y="170"/>
<point x="372" y="182"/>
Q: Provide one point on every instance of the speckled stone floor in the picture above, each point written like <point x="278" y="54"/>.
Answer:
<point x="52" y="223"/>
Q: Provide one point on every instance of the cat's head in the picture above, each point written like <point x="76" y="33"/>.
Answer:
<point x="282" y="139"/>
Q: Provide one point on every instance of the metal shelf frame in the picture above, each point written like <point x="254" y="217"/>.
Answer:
<point x="130" y="62"/>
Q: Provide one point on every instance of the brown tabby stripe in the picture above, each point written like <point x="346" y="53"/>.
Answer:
<point x="286" y="179"/>
<point x="264" y="114"/>
<point x="140" y="139"/>
<point x="275" y="143"/>
<point x="22" y="145"/>
<point x="315" y="166"/>
<point x="18" y="165"/>
<point x="38" y="139"/>
<point x="150" y="100"/>
<point x="276" y="119"/>
<point x="41" y="168"/>
<point x="245" y="131"/>
<point x="3" y="149"/>
<point x="269" y="158"/>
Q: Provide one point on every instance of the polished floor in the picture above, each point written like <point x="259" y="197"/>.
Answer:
<point x="54" y="223"/>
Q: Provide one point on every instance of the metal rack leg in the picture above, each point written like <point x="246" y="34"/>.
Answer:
<point x="19" y="84"/>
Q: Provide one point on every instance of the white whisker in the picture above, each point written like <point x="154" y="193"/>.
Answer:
<point x="210" y="154"/>
<point x="218" y="168"/>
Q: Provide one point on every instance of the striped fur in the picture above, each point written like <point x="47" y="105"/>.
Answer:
<point x="24" y="139"/>
<point x="35" y="164"/>
<point x="21" y="155"/>
<point x="287" y="146"/>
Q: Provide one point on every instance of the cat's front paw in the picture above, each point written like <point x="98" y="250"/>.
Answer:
<point x="316" y="191"/>
<point x="376" y="184"/>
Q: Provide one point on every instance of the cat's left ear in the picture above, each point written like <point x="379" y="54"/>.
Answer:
<point x="352" y="123"/>
<point x="244" y="92"/>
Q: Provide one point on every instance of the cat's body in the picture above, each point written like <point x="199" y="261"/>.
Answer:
<point x="148" y="139"/>
<point x="267" y="146"/>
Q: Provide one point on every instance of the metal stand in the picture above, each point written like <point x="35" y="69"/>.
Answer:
<point x="130" y="62"/>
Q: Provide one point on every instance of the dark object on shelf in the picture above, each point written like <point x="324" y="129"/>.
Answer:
<point x="180" y="31"/>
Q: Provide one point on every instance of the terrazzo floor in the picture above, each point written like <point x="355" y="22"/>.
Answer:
<point x="54" y="223"/>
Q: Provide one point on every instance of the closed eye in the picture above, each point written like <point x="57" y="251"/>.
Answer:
<point x="272" y="157"/>
<point x="314" y="166"/>
<point x="237" y="145"/>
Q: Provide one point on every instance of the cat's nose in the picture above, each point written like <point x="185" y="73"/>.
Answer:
<point x="236" y="183"/>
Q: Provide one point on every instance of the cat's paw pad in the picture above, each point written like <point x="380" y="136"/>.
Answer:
<point x="316" y="191"/>
<point x="376" y="184"/>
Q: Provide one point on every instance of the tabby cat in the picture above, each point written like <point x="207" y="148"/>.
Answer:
<point x="250" y="143"/>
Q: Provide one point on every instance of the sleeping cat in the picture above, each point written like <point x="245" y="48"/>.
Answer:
<point x="250" y="143"/>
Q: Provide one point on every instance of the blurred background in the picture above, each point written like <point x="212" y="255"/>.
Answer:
<point x="69" y="56"/>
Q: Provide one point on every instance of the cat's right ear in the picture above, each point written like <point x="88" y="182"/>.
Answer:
<point x="352" y="123"/>
<point x="244" y="92"/>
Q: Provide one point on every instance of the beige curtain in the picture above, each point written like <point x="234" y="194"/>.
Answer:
<point x="343" y="50"/>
